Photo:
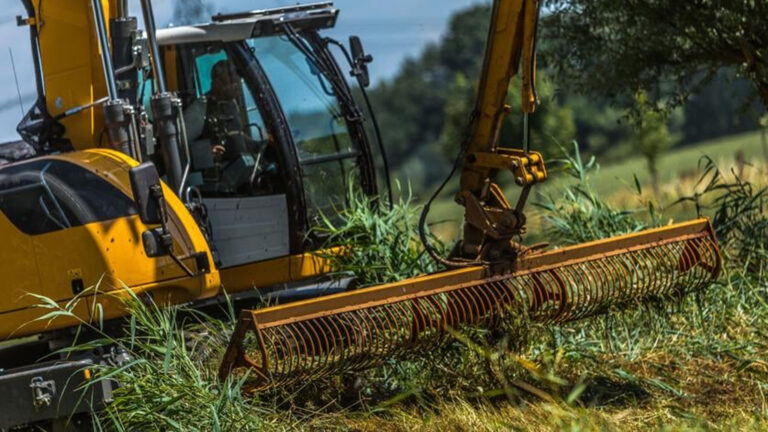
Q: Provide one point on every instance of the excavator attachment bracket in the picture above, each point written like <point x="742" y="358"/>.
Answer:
<point x="527" y="168"/>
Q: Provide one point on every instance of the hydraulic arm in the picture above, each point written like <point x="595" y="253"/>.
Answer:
<point x="490" y="221"/>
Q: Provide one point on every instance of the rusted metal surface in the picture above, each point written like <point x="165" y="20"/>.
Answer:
<point x="359" y="329"/>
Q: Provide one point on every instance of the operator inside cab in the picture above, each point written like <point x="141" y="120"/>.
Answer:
<point x="223" y="117"/>
<point x="231" y="153"/>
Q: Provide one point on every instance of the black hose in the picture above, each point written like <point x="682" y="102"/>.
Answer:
<point x="374" y="120"/>
<point x="450" y="263"/>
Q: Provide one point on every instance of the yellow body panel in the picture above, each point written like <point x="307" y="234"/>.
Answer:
<point x="274" y="272"/>
<point x="71" y="62"/>
<point x="106" y="255"/>
<point x="109" y="256"/>
<point x="510" y="44"/>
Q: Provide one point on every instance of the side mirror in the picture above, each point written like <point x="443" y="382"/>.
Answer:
<point x="144" y="181"/>
<point x="360" y="61"/>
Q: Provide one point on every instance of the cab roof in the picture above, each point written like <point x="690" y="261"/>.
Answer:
<point x="257" y="23"/>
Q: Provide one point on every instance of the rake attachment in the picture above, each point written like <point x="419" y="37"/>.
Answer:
<point x="302" y="341"/>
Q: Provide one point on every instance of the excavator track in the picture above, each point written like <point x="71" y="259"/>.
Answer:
<point x="283" y="345"/>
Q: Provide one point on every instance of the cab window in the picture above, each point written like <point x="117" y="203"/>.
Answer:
<point x="44" y="196"/>
<point x="231" y="153"/>
<point x="327" y="153"/>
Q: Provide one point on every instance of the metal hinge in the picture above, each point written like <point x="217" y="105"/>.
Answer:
<point x="21" y="21"/>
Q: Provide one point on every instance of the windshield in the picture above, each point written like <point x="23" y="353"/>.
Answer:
<point x="326" y="151"/>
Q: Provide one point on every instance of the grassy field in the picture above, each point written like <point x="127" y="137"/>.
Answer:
<point x="690" y="362"/>
<point x="678" y="164"/>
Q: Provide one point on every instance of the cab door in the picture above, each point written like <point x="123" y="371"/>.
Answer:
<point x="235" y="162"/>
<point x="330" y="157"/>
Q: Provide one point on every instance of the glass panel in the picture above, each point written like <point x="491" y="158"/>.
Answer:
<point x="45" y="196"/>
<point x="231" y="153"/>
<point x="204" y="67"/>
<point x="326" y="187"/>
<point x="316" y="121"/>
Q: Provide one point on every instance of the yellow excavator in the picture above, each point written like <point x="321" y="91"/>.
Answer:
<point x="190" y="163"/>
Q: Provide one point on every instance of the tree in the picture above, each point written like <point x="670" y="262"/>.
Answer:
<point x="651" y="137"/>
<point x="667" y="48"/>
<point x="411" y="105"/>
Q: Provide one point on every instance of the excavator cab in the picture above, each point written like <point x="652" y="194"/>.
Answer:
<point x="275" y="136"/>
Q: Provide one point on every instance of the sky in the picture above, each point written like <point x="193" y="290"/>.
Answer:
<point x="391" y="31"/>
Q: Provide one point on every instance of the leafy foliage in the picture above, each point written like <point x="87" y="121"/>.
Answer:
<point x="552" y="124"/>
<point x="668" y="48"/>
<point x="651" y="138"/>
<point x="410" y="106"/>
<point x="585" y="86"/>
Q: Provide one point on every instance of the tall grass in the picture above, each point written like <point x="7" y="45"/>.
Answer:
<point x="165" y="364"/>
<point x="699" y="363"/>
<point x="579" y="214"/>
<point x="381" y="244"/>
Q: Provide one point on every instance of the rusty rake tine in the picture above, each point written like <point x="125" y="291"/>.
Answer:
<point x="469" y="307"/>
<point x="609" y="279"/>
<point x="390" y="331"/>
<point x="402" y="316"/>
<point x="574" y="286"/>
<point x="325" y="337"/>
<point x="498" y="307"/>
<point x="279" y="349"/>
<point x="362" y="329"/>
<point x="665" y="277"/>
<point x="556" y="286"/>
<point x="428" y="338"/>
<point x="311" y="336"/>
<point x="597" y="285"/>
<point x="487" y="301"/>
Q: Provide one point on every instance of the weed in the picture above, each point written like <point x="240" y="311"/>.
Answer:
<point x="380" y="244"/>
<point x="579" y="214"/>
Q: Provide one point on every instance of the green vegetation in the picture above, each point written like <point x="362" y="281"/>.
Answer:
<point x="423" y="110"/>
<point x="675" y="166"/>
<point x="698" y="363"/>
<point x="669" y="49"/>
<point x="381" y="244"/>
